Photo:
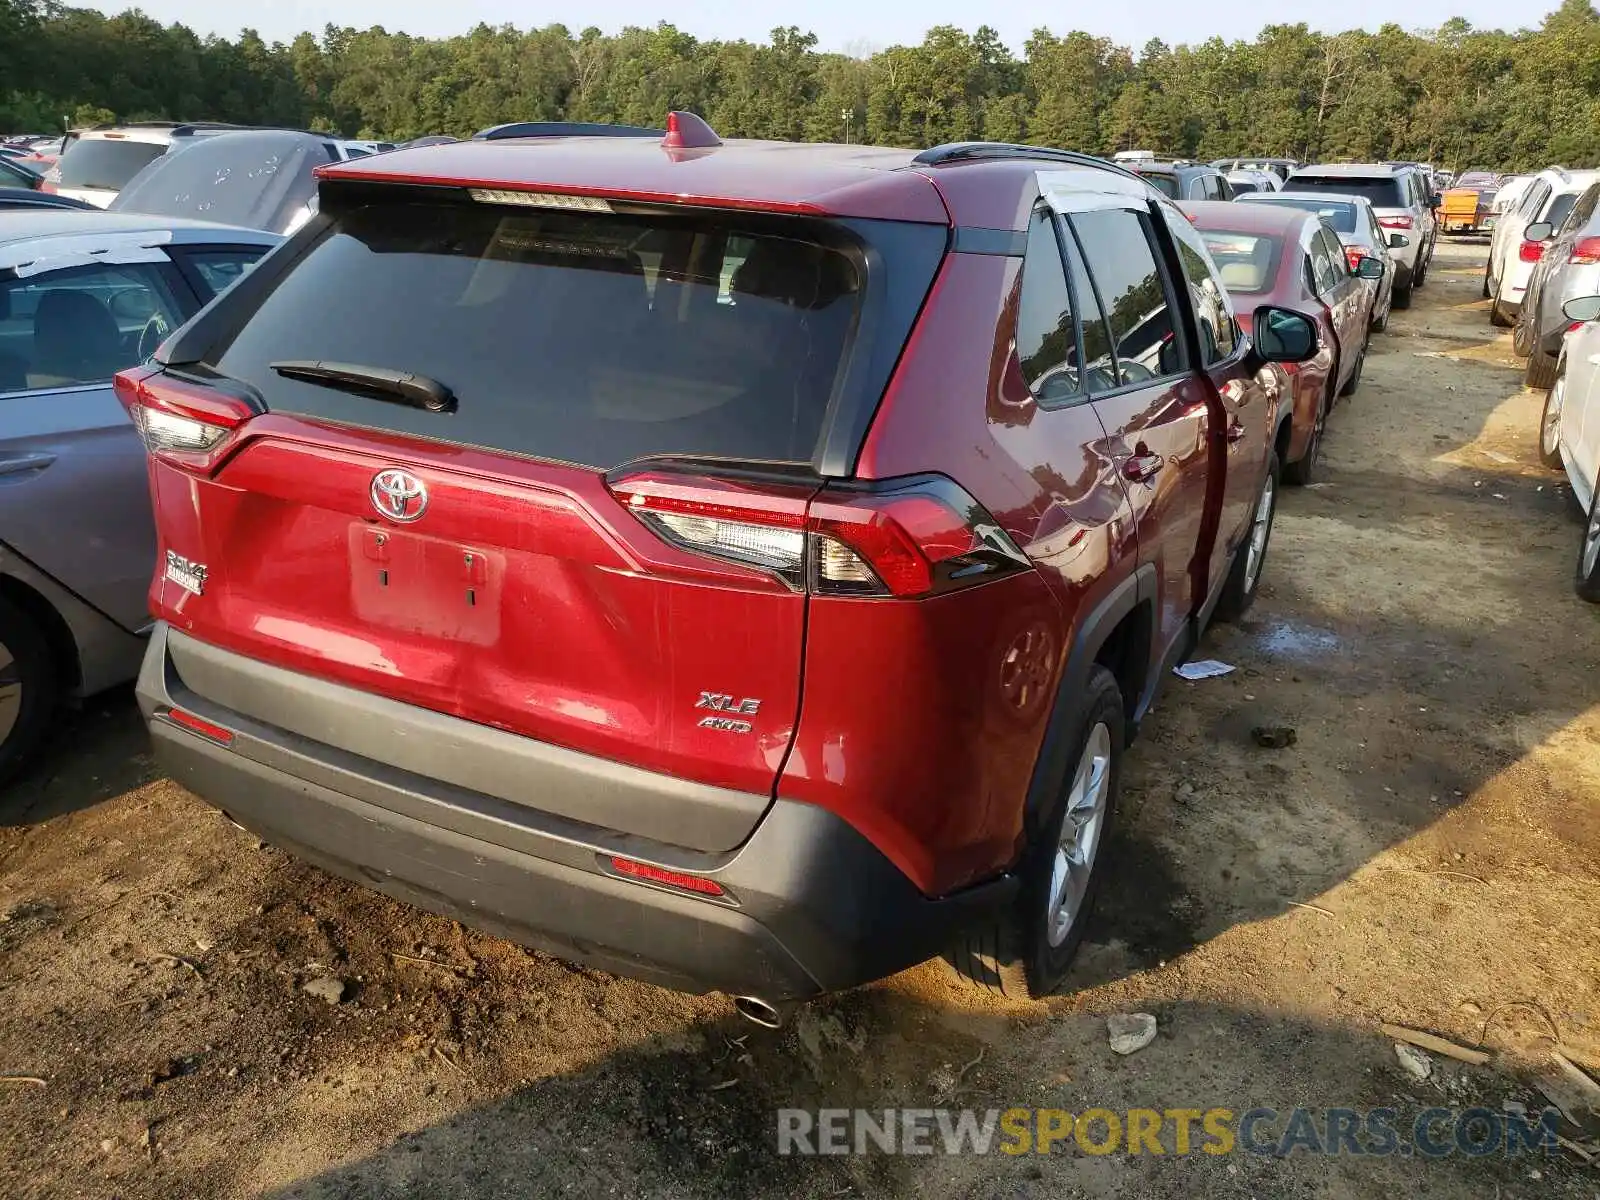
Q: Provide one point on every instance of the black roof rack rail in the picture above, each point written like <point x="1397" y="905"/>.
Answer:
<point x="952" y="152"/>
<point x="535" y="129"/>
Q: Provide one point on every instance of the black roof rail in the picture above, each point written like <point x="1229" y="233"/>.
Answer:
<point x="535" y="129"/>
<point x="954" y="152"/>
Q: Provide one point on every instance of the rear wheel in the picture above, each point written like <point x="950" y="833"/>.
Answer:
<point x="1550" y="420"/>
<point x="1541" y="369"/>
<point x="1401" y="297"/>
<point x="1588" y="580"/>
<point x="1420" y="276"/>
<point x="1239" y="592"/>
<point x="27" y="688"/>
<point x="1024" y="951"/>
<point x="1351" y="384"/>
<point x="1522" y="336"/>
<point x="1304" y="469"/>
<point x="1499" y="317"/>
<point x="1488" y="287"/>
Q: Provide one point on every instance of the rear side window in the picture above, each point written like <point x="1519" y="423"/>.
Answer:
<point x="105" y="163"/>
<point x="1167" y="185"/>
<point x="555" y="340"/>
<point x="219" y="270"/>
<point x="1116" y="244"/>
<point x="1047" y="340"/>
<point x="1379" y="192"/>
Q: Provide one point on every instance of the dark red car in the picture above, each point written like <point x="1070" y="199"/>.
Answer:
<point x="734" y="565"/>
<point x="1293" y="259"/>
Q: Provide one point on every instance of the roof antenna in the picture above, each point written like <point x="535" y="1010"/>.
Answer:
<point x="685" y="131"/>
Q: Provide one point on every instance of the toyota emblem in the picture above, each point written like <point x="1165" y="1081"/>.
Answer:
<point x="399" y="495"/>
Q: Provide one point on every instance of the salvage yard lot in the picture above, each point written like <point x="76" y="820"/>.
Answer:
<point x="1426" y="853"/>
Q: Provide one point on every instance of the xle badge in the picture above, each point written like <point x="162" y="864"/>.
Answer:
<point x="721" y="703"/>
<point x="187" y="574"/>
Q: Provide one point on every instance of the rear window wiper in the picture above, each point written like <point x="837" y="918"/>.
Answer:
<point x="381" y="383"/>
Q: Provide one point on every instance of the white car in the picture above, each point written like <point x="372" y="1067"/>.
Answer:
<point x="1569" y="431"/>
<point x="1548" y="196"/>
<point x="96" y="163"/>
<point x="1245" y="181"/>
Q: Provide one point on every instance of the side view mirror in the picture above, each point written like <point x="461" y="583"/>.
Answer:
<point x="1584" y="308"/>
<point x="1397" y="240"/>
<point x="1283" y="335"/>
<point x="1368" y="267"/>
<point x="1539" y="231"/>
<point x="1435" y="200"/>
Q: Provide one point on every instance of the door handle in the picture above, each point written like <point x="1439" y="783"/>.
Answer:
<point x="1142" y="468"/>
<point x="18" y="463"/>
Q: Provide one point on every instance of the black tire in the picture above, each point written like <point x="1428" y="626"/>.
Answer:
<point x="1401" y="296"/>
<point x="1587" y="581"/>
<point x="1541" y="369"/>
<point x="1498" y="317"/>
<point x="1379" y="324"/>
<point x="1010" y="953"/>
<point x="27" y="688"/>
<point x="1354" y="382"/>
<point x="1488" y="288"/>
<point x="1550" y="418"/>
<point x="1239" y="592"/>
<point x="1420" y="276"/>
<point x="1304" y="469"/>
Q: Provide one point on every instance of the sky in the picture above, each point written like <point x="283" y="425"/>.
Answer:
<point x="839" y="24"/>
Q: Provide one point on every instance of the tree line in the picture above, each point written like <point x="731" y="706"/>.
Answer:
<point x="1456" y="96"/>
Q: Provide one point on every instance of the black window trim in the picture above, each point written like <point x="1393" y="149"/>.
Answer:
<point x="1158" y="252"/>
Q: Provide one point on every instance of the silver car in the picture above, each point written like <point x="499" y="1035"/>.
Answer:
<point x="1568" y="269"/>
<point x="1353" y="219"/>
<point x="83" y="295"/>
<point x="1401" y="197"/>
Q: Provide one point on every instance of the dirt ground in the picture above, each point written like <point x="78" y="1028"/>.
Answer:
<point x="1426" y="854"/>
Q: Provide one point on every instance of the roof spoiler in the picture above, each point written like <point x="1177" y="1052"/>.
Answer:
<point x="684" y="131"/>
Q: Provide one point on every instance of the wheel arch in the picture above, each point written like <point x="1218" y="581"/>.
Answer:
<point x="1118" y="633"/>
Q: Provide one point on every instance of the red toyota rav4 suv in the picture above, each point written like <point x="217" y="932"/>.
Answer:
<point x="734" y="565"/>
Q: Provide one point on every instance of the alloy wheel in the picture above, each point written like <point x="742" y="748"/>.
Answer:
<point x="1260" y="528"/>
<point x="1081" y="827"/>
<point x="10" y="693"/>
<point x="1550" y="428"/>
<point x="1591" y="544"/>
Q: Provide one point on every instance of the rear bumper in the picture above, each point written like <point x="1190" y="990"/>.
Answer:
<point x="811" y="905"/>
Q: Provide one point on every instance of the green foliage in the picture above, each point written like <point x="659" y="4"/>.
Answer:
<point x="1455" y="95"/>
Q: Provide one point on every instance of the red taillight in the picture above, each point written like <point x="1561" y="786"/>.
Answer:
<point x="1585" y="251"/>
<point x="194" y="724"/>
<point x="1574" y="326"/>
<point x="909" y="537"/>
<point x="185" y="423"/>
<point x="1395" y="222"/>
<point x="673" y="879"/>
<point x="1530" y="252"/>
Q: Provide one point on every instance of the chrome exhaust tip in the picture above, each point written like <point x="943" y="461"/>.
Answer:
<point x="768" y="1016"/>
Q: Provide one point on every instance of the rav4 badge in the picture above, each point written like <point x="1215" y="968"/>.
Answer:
<point x="186" y="573"/>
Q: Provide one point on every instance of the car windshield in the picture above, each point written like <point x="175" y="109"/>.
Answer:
<point x="1477" y="179"/>
<point x="1245" y="261"/>
<point x="104" y="163"/>
<point x="1381" y="191"/>
<point x="571" y="336"/>
<point x="258" y="180"/>
<point x="1341" y="216"/>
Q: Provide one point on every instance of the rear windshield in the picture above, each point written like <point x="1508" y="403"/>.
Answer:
<point x="104" y="163"/>
<point x="260" y="180"/>
<point x="580" y="337"/>
<point x="1167" y="185"/>
<point x="1246" y="262"/>
<point x="1560" y="205"/>
<point x="1341" y="216"/>
<point x="1379" y="192"/>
